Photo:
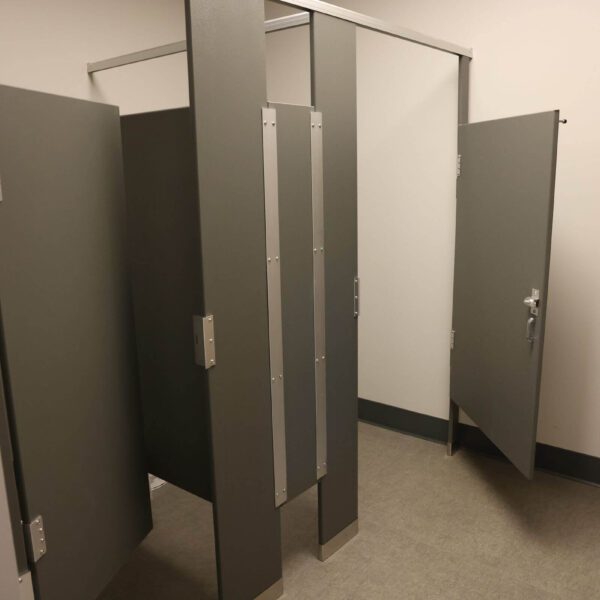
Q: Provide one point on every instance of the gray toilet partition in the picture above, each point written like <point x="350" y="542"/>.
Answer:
<point x="242" y="246"/>
<point x="70" y="421"/>
<point x="242" y="243"/>
<point x="243" y="228"/>
<point x="264" y="245"/>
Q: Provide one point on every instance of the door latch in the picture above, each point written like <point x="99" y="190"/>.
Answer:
<point x="533" y="303"/>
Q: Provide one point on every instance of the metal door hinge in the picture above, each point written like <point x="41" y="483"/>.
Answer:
<point x="458" y="165"/>
<point x="356" y="297"/>
<point x="36" y="538"/>
<point x="452" y="333"/>
<point x="204" y="341"/>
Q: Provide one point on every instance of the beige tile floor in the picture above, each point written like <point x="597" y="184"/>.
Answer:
<point x="431" y="527"/>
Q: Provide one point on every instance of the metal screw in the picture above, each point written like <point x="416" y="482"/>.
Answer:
<point x="273" y="123"/>
<point x="281" y="377"/>
<point x="264" y="122"/>
<point x="318" y="467"/>
<point x="269" y="259"/>
<point x="272" y="378"/>
<point x="320" y="125"/>
<point x="317" y="360"/>
<point x="313" y="125"/>
<point x="314" y="249"/>
<point x="210" y="318"/>
<point x="277" y="258"/>
<point x="322" y="358"/>
<point x="284" y="490"/>
<point x="212" y="361"/>
<point x="20" y="580"/>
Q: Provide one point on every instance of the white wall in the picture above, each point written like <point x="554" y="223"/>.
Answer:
<point x="45" y="46"/>
<point x="288" y="65"/>
<point x="407" y="136"/>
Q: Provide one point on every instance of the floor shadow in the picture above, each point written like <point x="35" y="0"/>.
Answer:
<point x="548" y="506"/>
<point x="152" y="576"/>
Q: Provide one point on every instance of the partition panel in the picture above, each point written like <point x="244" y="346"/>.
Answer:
<point x="226" y="57"/>
<point x="334" y="94"/>
<point x="165" y="267"/>
<point x="67" y="350"/>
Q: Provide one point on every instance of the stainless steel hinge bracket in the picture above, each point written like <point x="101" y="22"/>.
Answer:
<point x="356" y="297"/>
<point x="458" y="165"/>
<point x="452" y="334"/>
<point x="204" y="341"/>
<point x="36" y="538"/>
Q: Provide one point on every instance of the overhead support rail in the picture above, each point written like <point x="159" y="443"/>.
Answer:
<point x="378" y="25"/>
<point x="296" y="20"/>
<point x="286" y="22"/>
<point x="135" y="57"/>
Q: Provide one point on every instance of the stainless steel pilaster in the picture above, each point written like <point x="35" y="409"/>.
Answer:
<point x="269" y="116"/>
<point x="316" y="145"/>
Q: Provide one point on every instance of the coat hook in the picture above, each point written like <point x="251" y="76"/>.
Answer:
<point x="563" y="121"/>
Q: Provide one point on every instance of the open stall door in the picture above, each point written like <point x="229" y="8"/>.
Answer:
<point x="67" y="351"/>
<point x="505" y="196"/>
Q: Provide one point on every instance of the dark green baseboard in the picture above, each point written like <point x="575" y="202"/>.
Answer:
<point x="549" y="458"/>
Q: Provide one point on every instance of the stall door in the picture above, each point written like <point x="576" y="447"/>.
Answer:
<point x="503" y="231"/>
<point x="67" y="352"/>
